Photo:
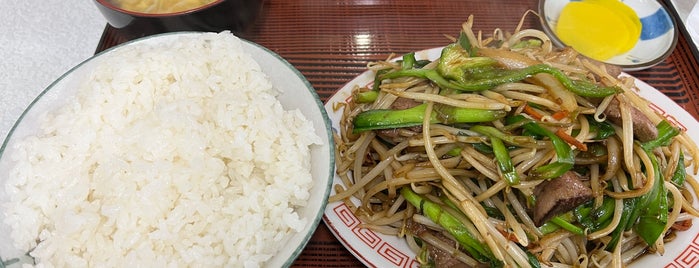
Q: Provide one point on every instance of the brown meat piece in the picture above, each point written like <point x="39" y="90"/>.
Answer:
<point x="441" y="258"/>
<point x="404" y="103"/>
<point x="415" y="228"/>
<point x="397" y="135"/>
<point x="559" y="195"/>
<point x="643" y="128"/>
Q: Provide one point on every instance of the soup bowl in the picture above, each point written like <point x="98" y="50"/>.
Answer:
<point x="219" y="15"/>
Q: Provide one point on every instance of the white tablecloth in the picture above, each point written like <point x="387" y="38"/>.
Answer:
<point x="39" y="41"/>
<point x="688" y="13"/>
<point x="692" y="23"/>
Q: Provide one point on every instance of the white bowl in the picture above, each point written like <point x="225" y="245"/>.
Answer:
<point x="297" y="94"/>
<point x="658" y="34"/>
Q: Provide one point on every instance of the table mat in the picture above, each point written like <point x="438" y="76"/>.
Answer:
<point x="331" y="42"/>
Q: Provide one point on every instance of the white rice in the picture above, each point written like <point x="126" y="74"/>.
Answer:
<point x="173" y="155"/>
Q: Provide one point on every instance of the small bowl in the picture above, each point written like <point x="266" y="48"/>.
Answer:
<point x="296" y="94"/>
<point x="658" y="33"/>
<point x="233" y="15"/>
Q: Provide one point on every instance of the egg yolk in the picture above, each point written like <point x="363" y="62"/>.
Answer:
<point x="599" y="29"/>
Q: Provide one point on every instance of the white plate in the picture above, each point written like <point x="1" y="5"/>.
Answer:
<point x="297" y="94"/>
<point x="379" y="250"/>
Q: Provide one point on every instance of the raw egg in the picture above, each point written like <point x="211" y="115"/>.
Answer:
<point x="599" y="29"/>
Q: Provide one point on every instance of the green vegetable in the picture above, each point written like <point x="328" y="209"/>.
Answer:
<point x="527" y="43"/>
<point x="593" y="218"/>
<point x="408" y="61"/>
<point x="455" y="152"/>
<point x="483" y="148"/>
<point x="680" y="174"/>
<point x="371" y="95"/>
<point x="497" y="77"/>
<point x="466" y="44"/>
<point x="367" y="96"/>
<point x="548" y="227"/>
<point x="625" y="222"/>
<point x="502" y="155"/>
<point x="388" y="119"/>
<point x="423" y="257"/>
<point x="647" y="214"/>
<point x="603" y="129"/>
<point x="653" y="197"/>
<point x="377" y="79"/>
<point x="430" y="74"/>
<point x="451" y="223"/>
<point x="665" y="133"/>
<point x="504" y="161"/>
<point x="564" y="154"/>
<point x="493" y="212"/>
<point x="421" y="63"/>
<point x="455" y="62"/>
<point x="567" y="225"/>
<point x="521" y="141"/>
<point x="531" y="258"/>
<point x="654" y="207"/>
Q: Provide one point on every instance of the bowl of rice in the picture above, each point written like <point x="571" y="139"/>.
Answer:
<point x="175" y="150"/>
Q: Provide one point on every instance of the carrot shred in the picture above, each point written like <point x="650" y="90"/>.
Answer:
<point x="533" y="113"/>
<point x="570" y="139"/>
<point x="560" y="115"/>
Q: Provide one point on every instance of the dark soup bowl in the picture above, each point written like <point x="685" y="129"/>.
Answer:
<point x="215" y="16"/>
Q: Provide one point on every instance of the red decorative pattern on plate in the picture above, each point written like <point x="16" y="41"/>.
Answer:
<point x="395" y="256"/>
<point x="689" y="256"/>
<point x="369" y="237"/>
<point x="670" y="118"/>
<point x="346" y="216"/>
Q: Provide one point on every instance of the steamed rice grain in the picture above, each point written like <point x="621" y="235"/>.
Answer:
<point x="172" y="155"/>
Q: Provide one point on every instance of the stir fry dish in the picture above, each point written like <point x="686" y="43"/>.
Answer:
<point x="508" y="152"/>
